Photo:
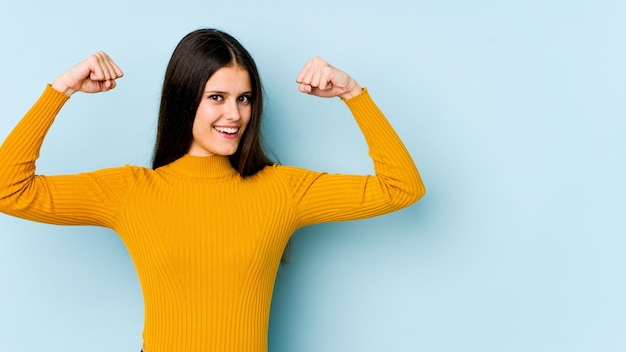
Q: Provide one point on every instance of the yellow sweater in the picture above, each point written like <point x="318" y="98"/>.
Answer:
<point x="205" y="241"/>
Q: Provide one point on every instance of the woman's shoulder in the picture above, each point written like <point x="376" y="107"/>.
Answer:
<point x="121" y="174"/>
<point x="288" y="174"/>
<point x="282" y="170"/>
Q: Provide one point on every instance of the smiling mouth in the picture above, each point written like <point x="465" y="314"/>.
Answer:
<point x="227" y="130"/>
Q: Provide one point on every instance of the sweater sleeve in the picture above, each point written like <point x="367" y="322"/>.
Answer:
<point x="82" y="199"/>
<point x="396" y="184"/>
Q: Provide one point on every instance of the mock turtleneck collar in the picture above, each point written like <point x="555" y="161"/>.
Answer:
<point x="202" y="167"/>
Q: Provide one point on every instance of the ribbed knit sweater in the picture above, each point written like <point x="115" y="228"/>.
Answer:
<point x="205" y="241"/>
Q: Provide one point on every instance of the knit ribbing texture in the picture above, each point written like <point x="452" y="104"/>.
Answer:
<point x="206" y="242"/>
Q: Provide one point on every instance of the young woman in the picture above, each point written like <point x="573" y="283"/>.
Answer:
<point x="207" y="225"/>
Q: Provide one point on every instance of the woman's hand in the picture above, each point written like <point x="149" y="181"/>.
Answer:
<point x="319" y="78"/>
<point x="94" y="75"/>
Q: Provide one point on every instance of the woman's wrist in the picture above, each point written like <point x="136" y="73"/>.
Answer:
<point x="61" y="87"/>
<point x="352" y="92"/>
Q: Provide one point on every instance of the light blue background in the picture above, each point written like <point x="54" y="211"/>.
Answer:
<point x="513" y="111"/>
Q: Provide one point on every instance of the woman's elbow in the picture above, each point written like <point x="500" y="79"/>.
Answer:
<point x="408" y="193"/>
<point x="415" y="192"/>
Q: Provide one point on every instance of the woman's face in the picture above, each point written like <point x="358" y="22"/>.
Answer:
<point x="223" y="113"/>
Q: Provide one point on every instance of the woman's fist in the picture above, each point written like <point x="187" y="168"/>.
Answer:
<point x="95" y="74"/>
<point x="319" y="78"/>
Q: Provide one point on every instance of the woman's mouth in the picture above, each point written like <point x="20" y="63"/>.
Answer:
<point x="226" y="130"/>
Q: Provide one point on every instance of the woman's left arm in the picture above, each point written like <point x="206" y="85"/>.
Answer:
<point x="322" y="197"/>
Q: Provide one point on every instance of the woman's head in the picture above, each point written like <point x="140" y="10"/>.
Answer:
<point x="191" y="70"/>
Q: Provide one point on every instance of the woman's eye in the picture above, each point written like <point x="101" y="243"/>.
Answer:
<point x="216" y="97"/>
<point x="244" y="99"/>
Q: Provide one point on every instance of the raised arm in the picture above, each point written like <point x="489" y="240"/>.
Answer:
<point x="396" y="184"/>
<point x="55" y="199"/>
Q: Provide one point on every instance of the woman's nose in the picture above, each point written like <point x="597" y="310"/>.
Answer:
<point x="232" y="111"/>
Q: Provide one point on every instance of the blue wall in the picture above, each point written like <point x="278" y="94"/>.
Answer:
<point x="513" y="111"/>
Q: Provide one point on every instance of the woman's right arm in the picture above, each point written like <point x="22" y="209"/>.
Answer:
<point x="56" y="199"/>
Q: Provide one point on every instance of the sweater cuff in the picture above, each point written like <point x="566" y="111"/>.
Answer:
<point x="362" y="98"/>
<point x="54" y="95"/>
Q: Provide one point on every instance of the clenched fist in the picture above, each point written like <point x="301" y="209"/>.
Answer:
<point x="319" y="78"/>
<point x="95" y="74"/>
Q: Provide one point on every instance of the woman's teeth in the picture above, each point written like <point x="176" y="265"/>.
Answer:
<point x="229" y="130"/>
